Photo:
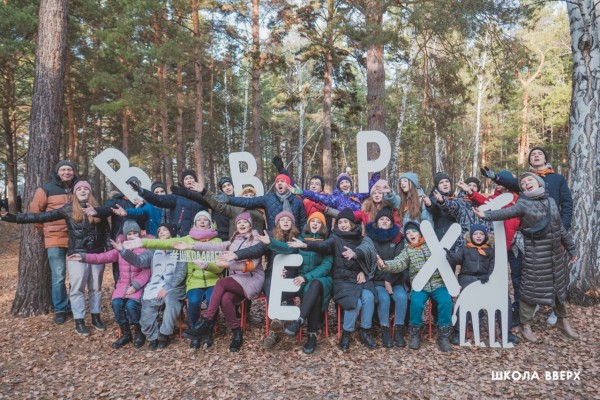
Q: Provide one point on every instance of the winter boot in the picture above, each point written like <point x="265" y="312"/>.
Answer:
<point x="367" y="339"/>
<point x="237" y="340"/>
<point x="60" y="318"/>
<point x="97" y="322"/>
<point x="311" y="344"/>
<point x="399" y="331"/>
<point x="195" y="344"/>
<point x="163" y="341"/>
<point x="512" y="338"/>
<point x="444" y="333"/>
<point x="528" y="334"/>
<point x="207" y="340"/>
<point x="124" y="338"/>
<point x="415" y="337"/>
<point x="138" y="337"/>
<point x="386" y="337"/>
<point x="199" y="329"/>
<point x="565" y="326"/>
<point x="345" y="340"/>
<point x="80" y="327"/>
<point x="455" y="337"/>
<point x="153" y="345"/>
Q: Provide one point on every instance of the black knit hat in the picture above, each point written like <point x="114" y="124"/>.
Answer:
<point x="479" y="227"/>
<point x="348" y="214"/>
<point x="320" y="178"/>
<point x="412" y="225"/>
<point x="171" y="227"/>
<point x="156" y="185"/>
<point x="540" y="149"/>
<point x="224" y="180"/>
<point x="474" y="180"/>
<point x="439" y="176"/>
<point x="62" y="163"/>
<point x="384" y="212"/>
<point x="187" y="172"/>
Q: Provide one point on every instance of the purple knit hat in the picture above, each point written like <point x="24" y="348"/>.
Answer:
<point x="244" y="215"/>
<point x="285" y="214"/>
<point x="341" y="177"/>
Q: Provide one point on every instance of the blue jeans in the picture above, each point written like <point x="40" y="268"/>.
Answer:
<point x="195" y="297"/>
<point x="515" y="275"/>
<point x="58" y="269"/>
<point x="127" y="311"/>
<point x="441" y="297"/>
<point x="383" y="307"/>
<point x="366" y="303"/>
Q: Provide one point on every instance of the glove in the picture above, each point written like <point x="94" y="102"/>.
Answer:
<point x="133" y="182"/>
<point x="8" y="217"/>
<point x="485" y="279"/>
<point x="485" y="171"/>
<point x="178" y="190"/>
<point x="278" y="163"/>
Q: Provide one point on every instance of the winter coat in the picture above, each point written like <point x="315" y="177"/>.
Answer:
<point x="272" y="206"/>
<point x="314" y="265"/>
<point x="510" y="225"/>
<point x="116" y="221"/>
<point x="473" y="266"/>
<point x="129" y="274"/>
<point x="544" y="268"/>
<point x="153" y="216"/>
<point x="230" y="212"/>
<point x="197" y="278"/>
<point x="395" y="202"/>
<point x="248" y="273"/>
<point x="51" y="196"/>
<point x="388" y="243"/>
<point x="182" y="210"/>
<point x="340" y="200"/>
<point x="442" y="220"/>
<point x="461" y="208"/>
<point x="84" y="237"/>
<point x="165" y="273"/>
<point x="346" y="291"/>
<point x="414" y="259"/>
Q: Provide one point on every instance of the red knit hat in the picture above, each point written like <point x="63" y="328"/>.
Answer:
<point x="284" y="177"/>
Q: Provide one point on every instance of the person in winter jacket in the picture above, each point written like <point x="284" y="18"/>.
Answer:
<point x="126" y="298"/>
<point x="314" y="279"/>
<point x="413" y="257"/>
<point x="442" y="220"/>
<point x="166" y="287"/>
<point x="51" y="196"/>
<point x="245" y="281"/>
<point x="202" y="269"/>
<point x="354" y="264"/>
<point x="387" y="238"/>
<point x="545" y="276"/>
<point x="380" y="192"/>
<point x="86" y="235"/>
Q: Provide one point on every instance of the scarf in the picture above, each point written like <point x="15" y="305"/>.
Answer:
<point x="532" y="194"/>
<point x="543" y="172"/>
<point x="202" y="234"/>
<point x="284" y="199"/>
<point x="479" y="248"/>
<point x="418" y="245"/>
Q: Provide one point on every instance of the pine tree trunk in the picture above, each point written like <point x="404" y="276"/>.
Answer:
<point x="180" y="142"/>
<point x="33" y="287"/>
<point x="374" y="10"/>
<point x="256" y="145"/>
<point x="327" y="101"/>
<point x="8" y="94"/>
<point x="198" y="122"/>
<point x="584" y="150"/>
<point x="125" y="130"/>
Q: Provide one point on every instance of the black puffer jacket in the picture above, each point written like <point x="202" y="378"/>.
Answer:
<point x="545" y="272"/>
<point x="84" y="237"/>
<point x="388" y="243"/>
<point x="442" y="220"/>
<point x="473" y="266"/>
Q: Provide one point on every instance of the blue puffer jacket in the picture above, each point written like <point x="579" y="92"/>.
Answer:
<point x="272" y="206"/>
<point x="182" y="210"/>
<point x="556" y="187"/>
<point x="154" y="216"/>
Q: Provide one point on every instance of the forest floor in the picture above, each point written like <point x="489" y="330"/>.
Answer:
<point x="41" y="360"/>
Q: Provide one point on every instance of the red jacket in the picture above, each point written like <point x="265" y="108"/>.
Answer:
<point x="510" y="225"/>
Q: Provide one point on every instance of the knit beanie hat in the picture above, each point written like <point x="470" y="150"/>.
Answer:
<point x="246" y="189"/>
<point x="285" y="214"/>
<point x="504" y="174"/>
<point x="341" y="177"/>
<point x="171" y="227"/>
<point x="525" y="174"/>
<point x="320" y="178"/>
<point x="82" y="184"/>
<point x="187" y="172"/>
<point x="538" y="148"/>
<point x="62" y="163"/>
<point x="284" y="177"/>
<point x="412" y="225"/>
<point x="474" y="180"/>
<point x="244" y="215"/>
<point x="411" y="176"/>
<point x="348" y="214"/>
<point x="157" y="185"/>
<point x="130" y="226"/>
<point x="318" y="215"/>
<point x="202" y="213"/>
<point x="384" y="212"/>
<point x="223" y="180"/>
<point x="379" y="185"/>
<point x="478" y="227"/>
<point x="438" y="178"/>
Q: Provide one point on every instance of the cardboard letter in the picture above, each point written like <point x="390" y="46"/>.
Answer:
<point x="119" y="177"/>
<point x="364" y="164"/>
<point x="244" y="178"/>
<point x="280" y="285"/>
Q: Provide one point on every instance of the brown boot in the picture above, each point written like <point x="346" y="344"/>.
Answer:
<point x="528" y="333"/>
<point x="565" y="326"/>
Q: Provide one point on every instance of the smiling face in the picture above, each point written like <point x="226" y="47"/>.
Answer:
<point x="65" y="173"/>
<point x="315" y="225"/>
<point x="227" y="188"/>
<point x="345" y="186"/>
<point x="189" y="181"/>
<point x="404" y="185"/>
<point x="344" y="225"/>
<point x="478" y="237"/>
<point x="384" y="223"/>
<point x="315" y="186"/>
<point x="202" y="222"/>
<point x="444" y="185"/>
<point x="243" y="226"/>
<point x="163" y="233"/>
<point x="473" y="187"/>
<point x="281" y="186"/>
<point x="133" y="235"/>
<point x="377" y="197"/>
<point x="413" y="236"/>
<point x="285" y="223"/>
<point x="82" y="193"/>
<point x="529" y="183"/>
<point x="537" y="158"/>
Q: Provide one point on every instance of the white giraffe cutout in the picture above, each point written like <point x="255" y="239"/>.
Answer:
<point x="489" y="296"/>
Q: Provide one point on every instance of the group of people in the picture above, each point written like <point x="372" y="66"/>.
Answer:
<point x="361" y="250"/>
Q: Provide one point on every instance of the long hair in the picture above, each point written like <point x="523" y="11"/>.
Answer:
<point x="371" y="208"/>
<point x="279" y="234"/>
<point x="78" y="214"/>
<point x="410" y="203"/>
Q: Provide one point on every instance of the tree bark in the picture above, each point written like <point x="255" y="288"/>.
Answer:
<point x="198" y="122"/>
<point x="327" y="159"/>
<point x="256" y="145"/>
<point x="125" y="130"/>
<point x="180" y="141"/>
<point x="8" y="94"/>
<point x="584" y="150"/>
<point x="374" y="10"/>
<point x="525" y="81"/>
<point x="33" y="287"/>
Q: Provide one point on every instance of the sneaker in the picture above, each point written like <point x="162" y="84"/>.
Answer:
<point x="60" y="318"/>
<point x="292" y="328"/>
<point x="552" y="319"/>
<point x="271" y="340"/>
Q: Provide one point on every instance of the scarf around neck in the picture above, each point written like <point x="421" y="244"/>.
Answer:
<point x="284" y="199"/>
<point x="543" y="172"/>
<point x="536" y="193"/>
<point x="417" y="246"/>
<point x="202" y="234"/>
<point x="479" y="248"/>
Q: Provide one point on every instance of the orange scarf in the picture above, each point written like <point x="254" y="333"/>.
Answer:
<point x="479" y="248"/>
<point x="418" y="245"/>
<point x="543" y="172"/>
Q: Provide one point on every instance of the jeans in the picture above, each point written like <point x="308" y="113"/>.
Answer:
<point x="57" y="258"/>
<point x="82" y="275"/>
<point x="444" y="305"/>
<point x="127" y="311"/>
<point x="195" y="297"/>
<point x="383" y="307"/>
<point x="366" y="303"/>
<point x="515" y="275"/>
